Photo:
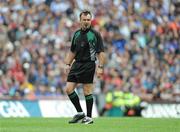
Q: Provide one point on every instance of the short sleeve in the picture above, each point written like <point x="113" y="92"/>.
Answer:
<point x="73" y="45"/>
<point x="99" y="44"/>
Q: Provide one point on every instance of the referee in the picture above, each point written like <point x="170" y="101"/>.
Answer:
<point x="80" y="65"/>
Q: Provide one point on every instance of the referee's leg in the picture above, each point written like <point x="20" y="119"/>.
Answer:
<point x="88" y="89"/>
<point x="70" y="86"/>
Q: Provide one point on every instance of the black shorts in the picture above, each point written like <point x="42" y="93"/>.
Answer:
<point x="82" y="72"/>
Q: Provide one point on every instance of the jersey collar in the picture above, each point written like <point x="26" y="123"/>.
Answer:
<point x="85" y="31"/>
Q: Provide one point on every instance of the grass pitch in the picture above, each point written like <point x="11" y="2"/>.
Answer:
<point x="104" y="124"/>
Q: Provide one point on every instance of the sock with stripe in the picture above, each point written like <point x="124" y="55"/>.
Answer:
<point x="75" y="100"/>
<point x="89" y="104"/>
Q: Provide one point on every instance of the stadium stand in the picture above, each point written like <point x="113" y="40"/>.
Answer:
<point x="141" y="39"/>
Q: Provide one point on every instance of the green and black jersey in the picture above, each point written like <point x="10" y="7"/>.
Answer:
<point x="86" y="44"/>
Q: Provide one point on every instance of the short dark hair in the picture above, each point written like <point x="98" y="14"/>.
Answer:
<point x="85" y="12"/>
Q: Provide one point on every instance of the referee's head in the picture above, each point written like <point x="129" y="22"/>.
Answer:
<point x="85" y="12"/>
<point x="85" y="19"/>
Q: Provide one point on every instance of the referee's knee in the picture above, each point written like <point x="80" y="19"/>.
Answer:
<point x="68" y="90"/>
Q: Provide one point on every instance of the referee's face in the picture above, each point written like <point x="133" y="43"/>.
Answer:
<point x="85" y="21"/>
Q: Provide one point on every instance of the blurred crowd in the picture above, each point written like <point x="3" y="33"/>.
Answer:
<point x="141" y="39"/>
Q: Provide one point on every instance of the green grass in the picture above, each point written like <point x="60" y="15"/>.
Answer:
<point x="100" y="125"/>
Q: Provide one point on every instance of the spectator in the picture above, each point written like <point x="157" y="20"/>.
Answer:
<point x="140" y="37"/>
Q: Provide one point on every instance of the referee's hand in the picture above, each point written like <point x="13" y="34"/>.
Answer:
<point x="67" y="68"/>
<point x="99" y="72"/>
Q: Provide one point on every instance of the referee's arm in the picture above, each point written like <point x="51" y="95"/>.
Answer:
<point x="100" y="50"/>
<point x="71" y="54"/>
<point x="101" y="58"/>
<point x="70" y="57"/>
<point x="100" y="69"/>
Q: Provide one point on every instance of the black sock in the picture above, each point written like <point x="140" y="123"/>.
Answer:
<point x="75" y="100"/>
<point x="89" y="104"/>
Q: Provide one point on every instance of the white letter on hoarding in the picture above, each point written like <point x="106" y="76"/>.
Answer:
<point x="13" y="109"/>
<point x="19" y="109"/>
<point x="3" y="109"/>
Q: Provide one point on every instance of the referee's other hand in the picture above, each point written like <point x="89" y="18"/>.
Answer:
<point x="99" y="72"/>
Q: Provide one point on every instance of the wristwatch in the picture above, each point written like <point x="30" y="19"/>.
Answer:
<point x="100" y="66"/>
